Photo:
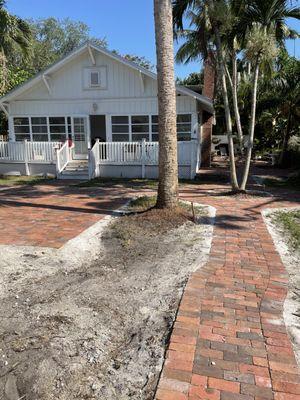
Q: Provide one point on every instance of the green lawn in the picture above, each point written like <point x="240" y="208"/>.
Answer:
<point x="21" y="180"/>
<point x="290" y="221"/>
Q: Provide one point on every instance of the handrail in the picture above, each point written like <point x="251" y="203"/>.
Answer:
<point x="62" y="157"/>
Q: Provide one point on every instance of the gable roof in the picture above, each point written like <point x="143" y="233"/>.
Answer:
<point x="205" y="102"/>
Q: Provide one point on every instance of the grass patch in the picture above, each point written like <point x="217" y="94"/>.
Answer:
<point x="142" y="203"/>
<point x="293" y="182"/>
<point x="125" y="182"/>
<point x="132" y="183"/>
<point x="290" y="221"/>
<point x="22" y="180"/>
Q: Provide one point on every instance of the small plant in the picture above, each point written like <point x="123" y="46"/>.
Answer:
<point x="290" y="221"/>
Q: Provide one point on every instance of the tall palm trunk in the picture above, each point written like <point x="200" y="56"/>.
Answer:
<point x="233" y="176"/>
<point x="3" y="73"/>
<point x="287" y="134"/>
<point x="251" y="126"/>
<point x="168" y="165"/>
<point x="235" y="101"/>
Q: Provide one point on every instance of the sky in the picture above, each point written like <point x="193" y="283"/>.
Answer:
<point x="127" y="25"/>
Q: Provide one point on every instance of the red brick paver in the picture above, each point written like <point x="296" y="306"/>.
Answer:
<point x="229" y="340"/>
<point x="50" y="215"/>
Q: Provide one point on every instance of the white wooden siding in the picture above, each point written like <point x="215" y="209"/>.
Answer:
<point x="105" y="106"/>
<point x="67" y="83"/>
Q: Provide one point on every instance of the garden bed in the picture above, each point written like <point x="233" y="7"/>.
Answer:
<point x="98" y="329"/>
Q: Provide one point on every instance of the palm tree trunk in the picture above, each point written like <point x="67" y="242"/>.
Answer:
<point x="3" y="73"/>
<point x="235" y="101"/>
<point x="252" y="126"/>
<point x="168" y="166"/>
<point x="286" y="137"/>
<point x="233" y="176"/>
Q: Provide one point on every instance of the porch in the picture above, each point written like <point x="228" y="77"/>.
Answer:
<point x="104" y="159"/>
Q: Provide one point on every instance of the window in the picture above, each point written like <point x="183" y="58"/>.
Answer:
<point x="154" y="120"/>
<point x="95" y="78"/>
<point x="39" y="129"/>
<point x="184" y="127"/>
<point x="55" y="129"/>
<point x="22" y="128"/>
<point x="120" y="128"/>
<point x="139" y="127"/>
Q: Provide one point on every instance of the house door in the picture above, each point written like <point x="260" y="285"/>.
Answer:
<point x="80" y="150"/>
<point x="98" y="128"/>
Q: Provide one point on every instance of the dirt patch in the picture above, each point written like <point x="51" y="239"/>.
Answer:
<point x="96" y="329"/>
<point x="290" y="255"/>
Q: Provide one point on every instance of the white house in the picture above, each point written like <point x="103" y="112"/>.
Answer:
<point x="107" y="105"/>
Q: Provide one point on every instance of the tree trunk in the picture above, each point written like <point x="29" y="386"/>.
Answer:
<point x="235" y="101"/>
<point x="285" y="142"/>
<point x="251" y="127"/>
<point x="207" y="123"/>
<point x="168" y="166"/>
<point x="233" y="176"/>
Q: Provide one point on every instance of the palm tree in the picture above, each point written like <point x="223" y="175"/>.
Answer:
<point x="199" y="43"/>
<point x="264" y="22"/>
<point x="168" y="165"/>
<point x="15" y="33"/>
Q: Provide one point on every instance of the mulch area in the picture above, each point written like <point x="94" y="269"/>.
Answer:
<point x="229" y="340"/>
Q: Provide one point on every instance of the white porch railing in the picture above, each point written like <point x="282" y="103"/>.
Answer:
<point x="138" y="153"/>
<point x="62" y="157"/>
<point x="40" y="152"/>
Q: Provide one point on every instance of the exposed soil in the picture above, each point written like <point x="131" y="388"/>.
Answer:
<point x="96" y="329"/>
<point x="290" y="256"/>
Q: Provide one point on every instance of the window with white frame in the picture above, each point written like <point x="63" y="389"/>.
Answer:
<point x="137" y="127"/>
<point x="140" y="128"/>
<point x="120" y="128"/>
<point x="22" y="128"/>
<point x="43" y="129"/>
<point x="95" y="78"/>
<point x="184" y="127"/>
<point x="39" y="127"/>
<point x="58" y="129"/>
<point x="154" y="128"/>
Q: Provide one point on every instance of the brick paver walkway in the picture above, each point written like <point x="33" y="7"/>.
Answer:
<point x="50" y="215"/>
<point x="229" y="341"/>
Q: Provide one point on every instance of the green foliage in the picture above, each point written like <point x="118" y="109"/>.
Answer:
<point x="53" y="39"/>
<point x="194" y="78"/>
<point x="22" y="180"/>
<point x="142" y="61"/>
<point x="290" y="221"/>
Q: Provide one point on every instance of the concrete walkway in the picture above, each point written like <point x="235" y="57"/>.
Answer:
<point x="229" y="341"/>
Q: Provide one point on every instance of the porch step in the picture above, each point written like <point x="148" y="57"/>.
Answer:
<point x="83" y="174"/>
<point x="75" y="170"/>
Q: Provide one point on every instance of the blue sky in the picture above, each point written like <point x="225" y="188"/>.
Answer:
<point x="127" y="24"/>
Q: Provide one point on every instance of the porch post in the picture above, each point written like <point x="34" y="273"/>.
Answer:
<point x="143" y="158"/>
<point x="26" y="158"/>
